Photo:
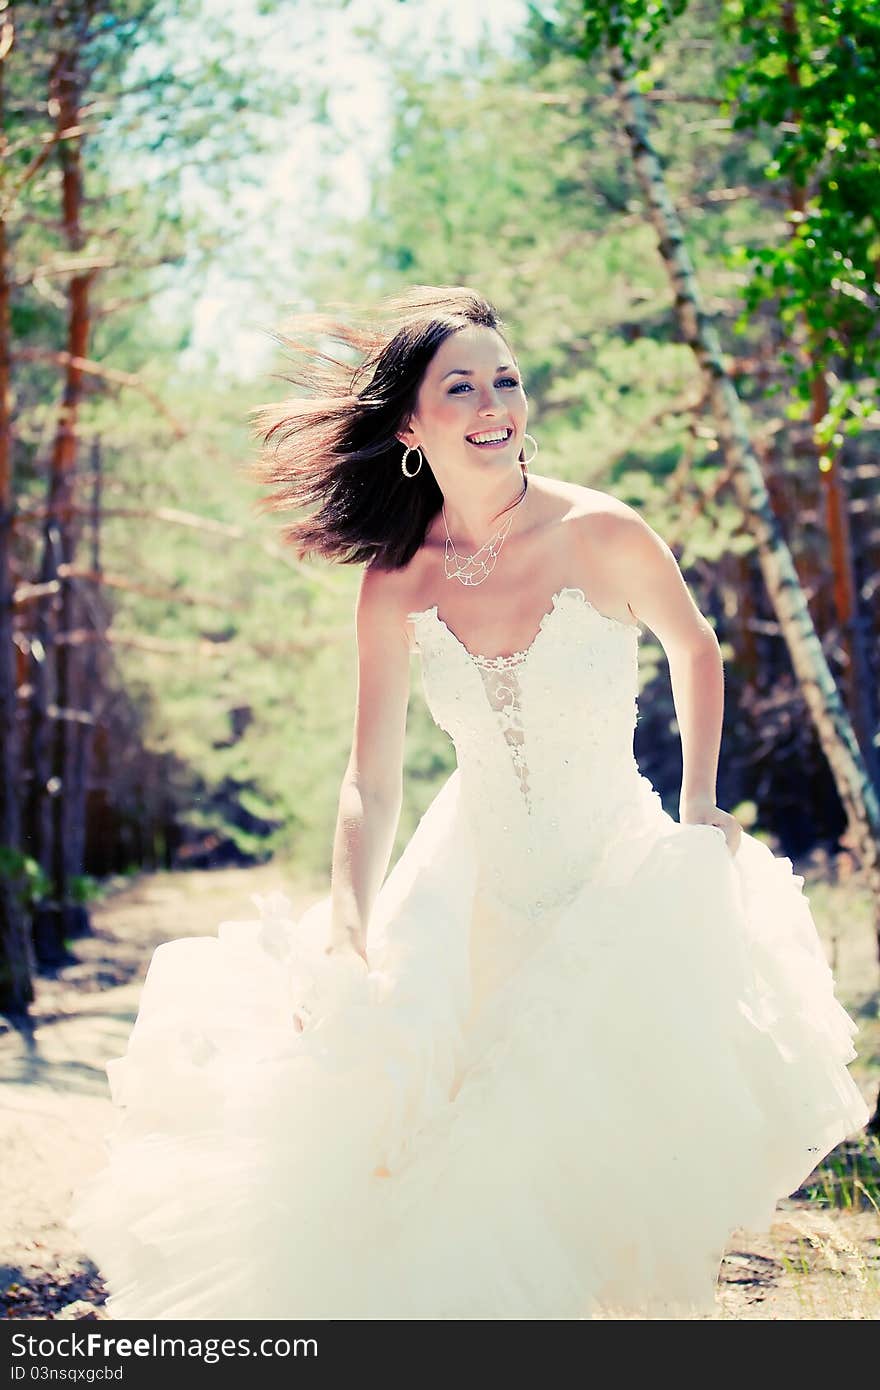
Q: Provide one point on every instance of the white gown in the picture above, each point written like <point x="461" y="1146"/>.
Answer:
<point x="590" y="1044"/>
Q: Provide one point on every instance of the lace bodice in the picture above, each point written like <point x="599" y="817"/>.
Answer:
<point x="544" y="743"/>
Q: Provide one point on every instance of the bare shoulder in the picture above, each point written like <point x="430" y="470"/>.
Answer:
<point x="631" y="565"/>
<point x="594" y="520"/>
<point x="607" y="525"/>
<point x="588" y="508"/>
<point x="623" y="565"/>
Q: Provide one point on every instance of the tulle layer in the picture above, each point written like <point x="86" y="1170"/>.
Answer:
<point x="493" y="1122"/>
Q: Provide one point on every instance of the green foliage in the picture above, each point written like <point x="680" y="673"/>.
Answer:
<point x="29" y="881"/>
<point x="587" y="26"/>
<point x="812" y="81"/>
<point x="85" y="888"/>
<point x="806" y="77"/>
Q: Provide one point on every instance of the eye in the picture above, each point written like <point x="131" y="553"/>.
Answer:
<point x="507" y="381"/>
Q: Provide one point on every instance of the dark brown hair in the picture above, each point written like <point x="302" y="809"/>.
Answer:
<point x="332" y="448"/>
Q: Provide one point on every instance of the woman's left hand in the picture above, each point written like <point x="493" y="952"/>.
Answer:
<point x="701" y="810"/>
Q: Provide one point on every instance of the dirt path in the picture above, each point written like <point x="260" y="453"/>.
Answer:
<point x="55" y="1101"/>
<point x="811" y="1264"/>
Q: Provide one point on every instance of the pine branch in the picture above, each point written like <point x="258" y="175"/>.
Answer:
<point x="111" y="374"/>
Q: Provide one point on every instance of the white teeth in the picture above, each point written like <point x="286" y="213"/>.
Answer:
<point x="496" y="436"/>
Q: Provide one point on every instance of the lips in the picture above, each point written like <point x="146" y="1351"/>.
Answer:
<point x="479" y="443"/>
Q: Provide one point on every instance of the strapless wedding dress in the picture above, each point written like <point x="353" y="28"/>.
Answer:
<point x="591" y="1043"/>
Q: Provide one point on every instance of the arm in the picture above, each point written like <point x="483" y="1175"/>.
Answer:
<point x="372" y="786"/>
<point x="646" y="571"/>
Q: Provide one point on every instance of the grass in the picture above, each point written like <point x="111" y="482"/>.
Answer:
<point x="830" y="1264"/>
<point x="849" y="1178"/>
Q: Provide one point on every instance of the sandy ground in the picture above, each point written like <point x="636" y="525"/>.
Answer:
<point x="811" y="1264"/>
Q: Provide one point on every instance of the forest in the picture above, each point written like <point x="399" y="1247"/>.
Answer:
<point x="676" y="207"/>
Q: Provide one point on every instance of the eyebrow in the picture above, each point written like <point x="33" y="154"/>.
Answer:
<point x="464" y="371"/>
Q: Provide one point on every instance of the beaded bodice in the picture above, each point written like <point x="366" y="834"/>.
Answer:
<point x="544" y="743"/>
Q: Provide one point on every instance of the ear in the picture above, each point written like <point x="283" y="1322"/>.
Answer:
<point x="407" y="436"/>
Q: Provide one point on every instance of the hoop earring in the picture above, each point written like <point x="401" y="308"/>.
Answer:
<point x="403" y="461"/>
<point x="526" y="462"/>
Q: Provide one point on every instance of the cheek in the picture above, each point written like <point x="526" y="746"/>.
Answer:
<point x="444" y="413"/>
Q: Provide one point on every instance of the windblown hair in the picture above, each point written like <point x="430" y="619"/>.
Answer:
<point x="331" y="450"/>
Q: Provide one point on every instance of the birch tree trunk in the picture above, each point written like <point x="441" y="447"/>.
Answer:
<point x="827" y="711"/>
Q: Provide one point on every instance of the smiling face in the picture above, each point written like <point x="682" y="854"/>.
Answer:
<point x="471" y="405"/>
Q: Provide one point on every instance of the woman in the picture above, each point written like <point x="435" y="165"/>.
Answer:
<point x="569" y="1044"/>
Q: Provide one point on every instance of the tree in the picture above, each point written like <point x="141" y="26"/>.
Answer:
<point x="16" y="961"/>
<point x="104" y="120"/>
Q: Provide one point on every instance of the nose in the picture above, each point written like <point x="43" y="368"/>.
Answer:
<point x="489" y="402"/>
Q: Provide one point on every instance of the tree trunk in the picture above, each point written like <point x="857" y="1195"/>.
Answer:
<point x="833" y="727"/>
<point x="67" y="737"/>
<point x="53" y="746"/>
<point x="16" y="960"/>
<point x="856" y="676"/>
<point x="88" y="695"/>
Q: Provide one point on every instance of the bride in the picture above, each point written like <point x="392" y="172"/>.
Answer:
<point x="549" y="1063"/>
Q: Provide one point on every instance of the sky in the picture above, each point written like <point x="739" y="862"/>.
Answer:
<point x="298" y="183"/>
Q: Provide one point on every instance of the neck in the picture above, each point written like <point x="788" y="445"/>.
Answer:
<point x="472" y="520"/>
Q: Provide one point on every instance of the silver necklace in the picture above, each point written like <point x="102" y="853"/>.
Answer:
<point x="475" y="569"/>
